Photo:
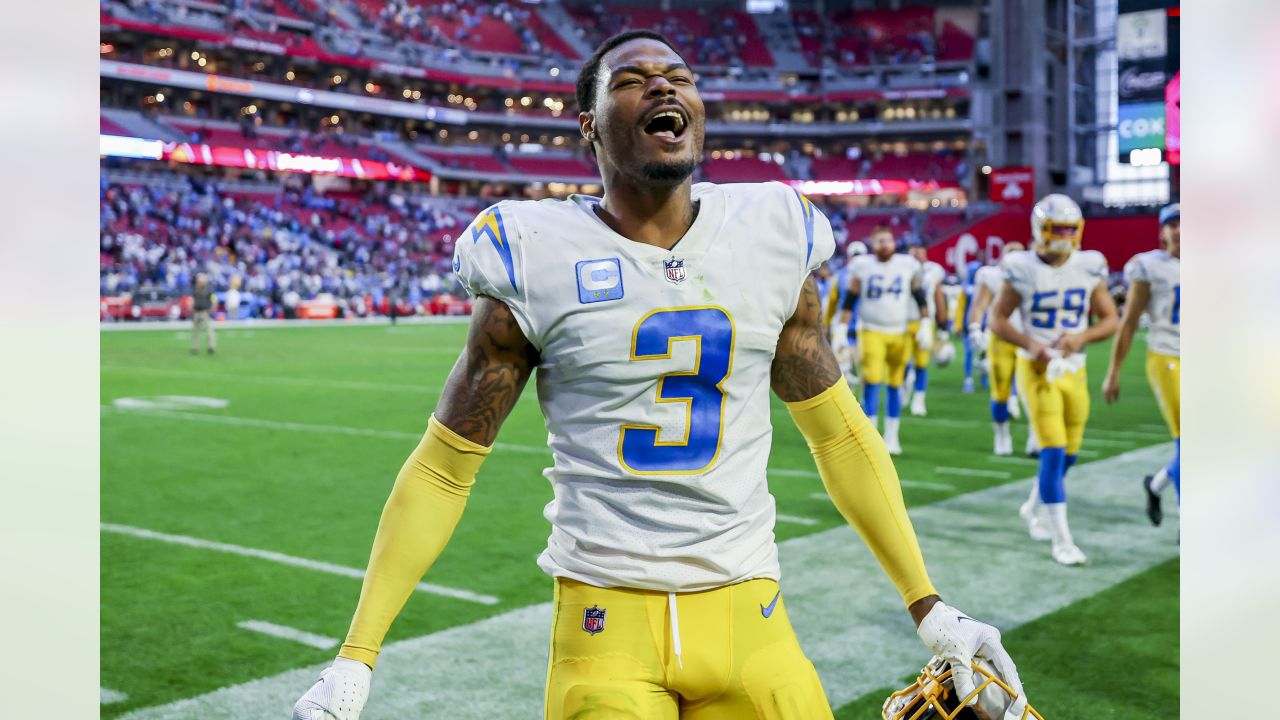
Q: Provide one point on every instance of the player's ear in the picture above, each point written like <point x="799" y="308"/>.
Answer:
<point x="587" y="125"/>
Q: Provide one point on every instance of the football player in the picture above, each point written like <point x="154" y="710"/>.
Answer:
<point x="882" y="287"/>
<point x="656" y="338"/>
<point x="1155" y="288"/>
<point x="1000" y="355"/>
<point x="964" y="303"/>
<point x="1057" y="287"/>
<point x="924" y="326"/>
<point x="844" y="336"/>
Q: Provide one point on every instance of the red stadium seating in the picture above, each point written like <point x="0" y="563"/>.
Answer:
<point x="916" y="166"/>
<point x="686" y="28"/>
<point x="107" y="127"/>
<point x="835" y="168"/>
<point x="461" y="161"/>
<point x="555" y="166"/>
<point x="723" y="170"/>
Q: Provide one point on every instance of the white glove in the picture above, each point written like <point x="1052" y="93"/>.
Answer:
<point x="339" y="694"/>
<point x="977" y="338"/>
<point x="958" y="638"/>
<point x="924" y="336"/>
<point x="944" y="336"/>
<point x="839" y="337"/>
<point x="1060" y="366"/>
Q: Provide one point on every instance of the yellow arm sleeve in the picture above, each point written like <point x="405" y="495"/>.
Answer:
<point x="861" y="480"/>
<point x="424" y="507"/>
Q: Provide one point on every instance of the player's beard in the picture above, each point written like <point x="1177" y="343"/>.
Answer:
<point x="668" y="172"/>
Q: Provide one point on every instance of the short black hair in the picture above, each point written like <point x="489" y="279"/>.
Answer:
<point x="588" y="75"/>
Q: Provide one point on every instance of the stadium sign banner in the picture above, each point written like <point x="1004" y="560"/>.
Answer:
<point x="1141" y="127"/>
<point x="1014" y="186"/>
<point x="200" y="154"/>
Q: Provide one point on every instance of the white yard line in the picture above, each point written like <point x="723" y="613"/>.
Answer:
<point x="849" y="618"/>
<point x="274" y="379"/>
<point x="272" y="556"/>
<point x="905" y="483"/>
<point x="307" y="427"/>
<point x="784" y="472"/>
<point x="1090" y="440"/>
<point x="796" y="519"/>
<point x="320" y="642"/>
<point x="109" y="697"/>
<point x="1013" y="459"/>
<point x="1147" y="436"/>
<point x="972" y="472"/>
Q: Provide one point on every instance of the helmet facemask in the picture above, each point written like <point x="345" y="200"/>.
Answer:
<point x="933" y="697"/>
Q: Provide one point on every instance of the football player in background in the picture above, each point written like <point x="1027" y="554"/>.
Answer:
<point x="1000" y="356"/>
<point x="1056" y="287"/>
<point x="882" y="287"/>
<point x="844" y="335"/>
<point x="964" y="302"/>
<point x="656" y="339"/>
<point x="1155" y="288"/>
<point x="924" y="326"/>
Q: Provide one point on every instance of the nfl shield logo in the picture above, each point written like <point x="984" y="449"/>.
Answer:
<point x="593" y="619"/>
<point x="675" y="270"/>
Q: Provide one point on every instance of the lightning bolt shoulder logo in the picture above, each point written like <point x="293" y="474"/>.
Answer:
<point x="490" y="226"/>
<point x="767" y="610"/>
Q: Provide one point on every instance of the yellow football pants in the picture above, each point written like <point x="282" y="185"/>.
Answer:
<point x="1164" y="372"/>
<point x="737" y="663"/>
<point x="918" y="355"/>
<point x="884" y="357"/>
<point x="1003" y="357"/>
<point x="1060" y="409"/>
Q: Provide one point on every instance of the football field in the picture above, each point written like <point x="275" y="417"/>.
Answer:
<point x="240" y="493"/>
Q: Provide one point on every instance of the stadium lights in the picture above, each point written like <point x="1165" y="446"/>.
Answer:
<point x="986" y="169"/>
<point x="159" y="97"/>
<point x="289" y="75"/>
<point x="555" y="72"/>
<point x="105" y="48"/>
<point x="201" y="62"/>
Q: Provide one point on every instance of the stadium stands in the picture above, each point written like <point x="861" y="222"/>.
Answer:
<point x="742" y="169"/>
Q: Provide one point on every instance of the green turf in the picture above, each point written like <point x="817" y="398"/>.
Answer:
<point x="1111" y="656"/>
<point x="315" y="490"/>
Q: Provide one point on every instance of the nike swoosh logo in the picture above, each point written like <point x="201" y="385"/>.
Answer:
<point x="767" y="611"/>
<point x="962" y="617"/>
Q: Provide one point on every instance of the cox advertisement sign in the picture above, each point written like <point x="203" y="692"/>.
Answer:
<point x="1141" y="127"/>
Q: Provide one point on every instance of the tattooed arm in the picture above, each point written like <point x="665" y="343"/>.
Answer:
<point x="851" y="456"/>
<point x="803" y="365"/>
<point x="432" y="488"/>
<point x="489" y="375"/>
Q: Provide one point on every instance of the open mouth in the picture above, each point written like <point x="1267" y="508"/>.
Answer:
<point x="669" y="124"/>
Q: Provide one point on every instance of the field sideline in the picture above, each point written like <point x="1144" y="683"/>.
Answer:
<point x="240" y="493"/>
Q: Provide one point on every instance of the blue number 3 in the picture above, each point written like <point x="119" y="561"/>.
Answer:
<point x="640" y="449"/>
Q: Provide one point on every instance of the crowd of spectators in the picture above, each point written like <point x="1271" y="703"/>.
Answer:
<point x="280" y="250"/>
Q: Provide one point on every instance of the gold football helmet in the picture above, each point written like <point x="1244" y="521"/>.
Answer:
<point x="1057" y="225"/>
<point x="933" y="697"/>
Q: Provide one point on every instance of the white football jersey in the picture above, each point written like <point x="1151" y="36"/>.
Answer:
<point x="1055" y="300"/>
<point x="654" y="376"/>
<point x="992" y="277"/>
<point x="931" y="273"/>
<point x="1164" y="309"/>
<point x="885" y="302"/>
